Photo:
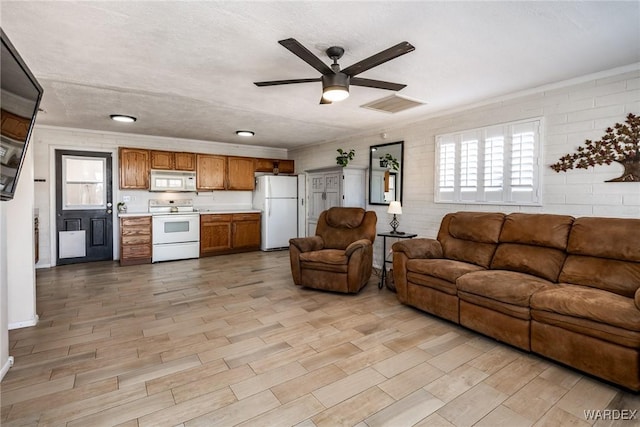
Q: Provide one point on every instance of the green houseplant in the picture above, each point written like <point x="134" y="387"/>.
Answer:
<point x="344" y="157"/>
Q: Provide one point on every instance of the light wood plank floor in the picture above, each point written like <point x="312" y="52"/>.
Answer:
<point x="230" y="340"/>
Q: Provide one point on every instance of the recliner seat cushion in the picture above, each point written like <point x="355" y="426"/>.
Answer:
<point x="445" y="269"/>
<point x="326" y="256"/>
<point x="589" y="303"/>
<point x="503" y="286"/>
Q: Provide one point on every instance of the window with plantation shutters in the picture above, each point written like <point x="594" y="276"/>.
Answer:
<point x="496" y="164"/>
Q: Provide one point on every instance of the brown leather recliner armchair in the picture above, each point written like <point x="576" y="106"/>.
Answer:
<point x="340" y="256"/>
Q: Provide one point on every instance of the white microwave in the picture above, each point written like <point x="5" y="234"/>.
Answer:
<point x="176" y="181"/>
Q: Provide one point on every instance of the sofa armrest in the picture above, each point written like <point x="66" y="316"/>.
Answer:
<point x="307" y="244"/>
<point x="358" y="244"/>
<point x="637" y="298"/>
<point x="419" y="248"/>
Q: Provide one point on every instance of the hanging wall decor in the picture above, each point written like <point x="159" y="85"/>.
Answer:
<point x="619" y="144"/>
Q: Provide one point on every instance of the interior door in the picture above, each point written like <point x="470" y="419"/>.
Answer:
<point x="84" y="214"/>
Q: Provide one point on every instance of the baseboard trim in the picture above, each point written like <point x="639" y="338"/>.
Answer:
<point x="24" y="324"/>
<point x="5" y="367"/>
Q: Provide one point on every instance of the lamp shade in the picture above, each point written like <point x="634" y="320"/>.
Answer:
<point x="395" y="208"/>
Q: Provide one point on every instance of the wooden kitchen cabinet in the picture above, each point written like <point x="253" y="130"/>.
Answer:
<point x="268" y="165"/>
<point x="229" y="233"/>
<point x="185" y="161"/>
<point x="240" y="173"/>
<point x="134" y="168"/>
<point x="246" y="231"/>
<point x="135" y="240"/>
<point x="162" y="160"/>
<point x="215" y="234"/>
<point x="170" y="160"/>
<point x="211" y="172"/>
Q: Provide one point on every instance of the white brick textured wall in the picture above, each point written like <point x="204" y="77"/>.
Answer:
<point x="571" y="113"/>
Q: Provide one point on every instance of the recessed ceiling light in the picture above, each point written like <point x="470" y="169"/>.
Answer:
<point x="123" y="118"/>
<point x="245" y="133"/>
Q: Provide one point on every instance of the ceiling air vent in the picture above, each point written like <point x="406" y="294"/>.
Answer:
<point x="393" y="104"/>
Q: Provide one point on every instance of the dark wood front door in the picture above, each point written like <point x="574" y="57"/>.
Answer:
<point x="84" y="209"/>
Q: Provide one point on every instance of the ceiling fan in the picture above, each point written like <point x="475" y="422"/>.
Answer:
<point x="335" y="82"/>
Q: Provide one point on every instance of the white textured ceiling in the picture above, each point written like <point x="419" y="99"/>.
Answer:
<point x="186" y="68"/>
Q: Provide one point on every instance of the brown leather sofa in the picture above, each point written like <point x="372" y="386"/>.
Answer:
<point x="340" y="256"/>
<point x="563" y="287"/>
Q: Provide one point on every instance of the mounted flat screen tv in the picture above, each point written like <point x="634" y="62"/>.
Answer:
<point x="19" y="101"/>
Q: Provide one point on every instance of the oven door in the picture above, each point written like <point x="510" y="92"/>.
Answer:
<point x="176" y="228"/>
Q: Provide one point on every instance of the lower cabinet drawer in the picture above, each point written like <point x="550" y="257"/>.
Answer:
<point x="136" y="251"/>
<point x="136" y="240"/>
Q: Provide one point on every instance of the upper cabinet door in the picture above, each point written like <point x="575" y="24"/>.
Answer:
<point x="134" y="168"/>
<point x="162" y="160"/>
<point x="185" y="161"/>
<point x="240" y="173"/>
<point x="269" y="165"/>
<point x="211" y="172"/>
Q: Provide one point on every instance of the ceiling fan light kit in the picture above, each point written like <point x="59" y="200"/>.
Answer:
<point x="335" y="87"/>
<point x="335" y="82"/>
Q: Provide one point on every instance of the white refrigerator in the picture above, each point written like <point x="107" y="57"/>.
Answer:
<point x="277" y="198"/>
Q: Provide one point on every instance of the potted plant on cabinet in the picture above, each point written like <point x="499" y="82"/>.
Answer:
<point x="344" y="157"/>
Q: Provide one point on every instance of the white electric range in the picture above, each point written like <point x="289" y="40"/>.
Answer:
<point x="176" y="229"/>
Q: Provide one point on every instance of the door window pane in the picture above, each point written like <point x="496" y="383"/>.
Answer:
<point x="83" y="185"/>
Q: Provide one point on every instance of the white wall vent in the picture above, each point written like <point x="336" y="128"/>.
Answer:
<point x="393" y="104"/>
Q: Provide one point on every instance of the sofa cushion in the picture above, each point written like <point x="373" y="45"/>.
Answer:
<point x="476" y="226"/>
<point x="620" y="277"/>
<point x="614" y="238"/>
<point x="551" y="231"/>
<point x="604" y="253"/>
<point x="504" y="286"/>
<point x="589" y="303"/>
<point x="470" y="236"/>
<point x="542" y="262"/>
<point x="533" y="244"/>
<point x="445" y="269"/>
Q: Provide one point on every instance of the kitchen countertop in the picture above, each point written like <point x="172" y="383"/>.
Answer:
<point x="226" y="211"/>
<point x="201" y="211"/>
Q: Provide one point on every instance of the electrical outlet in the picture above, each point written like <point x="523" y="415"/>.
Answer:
<point x="126" y="199"/>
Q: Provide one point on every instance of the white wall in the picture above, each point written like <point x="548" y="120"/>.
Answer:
<point x="17" y="273"/>
<point x="4" y="320"/>
<point x="571" y="111"/>
<point x="47" y="139"/>
<point x="20" y="250"/>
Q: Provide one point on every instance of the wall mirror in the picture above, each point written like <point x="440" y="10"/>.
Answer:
<point x="385" y="173"/>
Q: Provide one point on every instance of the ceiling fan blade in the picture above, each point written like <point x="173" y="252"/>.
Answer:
<point x="379" y="58"/>
<point x="285" y="82"/>
<point x="306" y="55"/>
<point x="378" y="84"/>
